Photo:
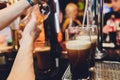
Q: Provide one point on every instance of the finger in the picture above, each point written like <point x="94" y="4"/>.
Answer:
<point x="31" y="25"/>
<point x="28" y="16"/>
<point x="25" y="21"/>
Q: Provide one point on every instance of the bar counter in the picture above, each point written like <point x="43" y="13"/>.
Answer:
<point x="55" y="74"/>
<point x="111" y="60"/>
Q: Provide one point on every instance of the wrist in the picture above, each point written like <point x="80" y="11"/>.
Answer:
<point x="26" y="40"/>
<point x="26" y="46"/>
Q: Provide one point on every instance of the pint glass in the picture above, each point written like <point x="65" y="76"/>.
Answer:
<point x="78" y="53"/>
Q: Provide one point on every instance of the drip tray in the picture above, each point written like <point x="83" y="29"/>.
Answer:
<point x="106" y="70"/>
<point x="67" y="74"/>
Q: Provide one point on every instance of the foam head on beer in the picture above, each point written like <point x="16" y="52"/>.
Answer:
<point x="93" y="38"/>
<point x="78" y="45"/>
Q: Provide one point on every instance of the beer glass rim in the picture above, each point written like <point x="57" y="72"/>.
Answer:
<point x="88" y="26"/>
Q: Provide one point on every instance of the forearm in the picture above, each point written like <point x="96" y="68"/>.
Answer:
<point x="23" y="68"/>
<point x="23" y="65"/>
<point x="8" y="14"/>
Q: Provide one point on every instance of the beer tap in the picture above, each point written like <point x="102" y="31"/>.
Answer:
<point x="87" y="13"/>
<point x="101" y="25"/>
<point x="52" y="24"/>
<point x="57" y="24"/>
<point x="44" y="8"/>
<point x="56" y="14"/>
<point x="101" y="53"/>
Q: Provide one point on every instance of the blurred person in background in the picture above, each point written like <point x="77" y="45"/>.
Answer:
<point x="71" y="19"/>
<point x="112" y="22"/>
<point x="71" y="11"/>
